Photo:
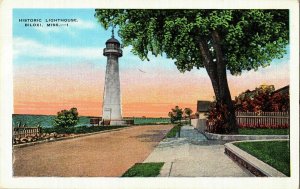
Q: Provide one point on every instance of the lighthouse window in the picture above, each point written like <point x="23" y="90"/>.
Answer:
<point x="112" y="46"/>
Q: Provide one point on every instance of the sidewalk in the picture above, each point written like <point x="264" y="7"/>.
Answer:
<point x="192" y="155"/>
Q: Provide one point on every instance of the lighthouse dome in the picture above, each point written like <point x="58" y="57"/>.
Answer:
<point x="112" y="40"/>
<point x="112" y="47"/>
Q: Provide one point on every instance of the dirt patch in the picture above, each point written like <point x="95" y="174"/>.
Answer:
<point x="100" y="155"/>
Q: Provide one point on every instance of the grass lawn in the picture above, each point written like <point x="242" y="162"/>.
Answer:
<point x="173" y="131"/>
<point x="264" y="131"/>
<point x="144" y="170"/>
<point x="79" y="130"/>
<point x="274" y="153"/>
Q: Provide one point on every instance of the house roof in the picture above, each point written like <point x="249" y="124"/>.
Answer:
<point x="283" y="90"/>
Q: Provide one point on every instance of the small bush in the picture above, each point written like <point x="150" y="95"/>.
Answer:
<point x="175" y="114"/>
<point x="66" y="118"/>
<point x="217" y="119"/>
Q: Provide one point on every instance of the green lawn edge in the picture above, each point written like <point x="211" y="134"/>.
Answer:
<point x="172" y="133"/>
<point x="263" y="131"/>
<point x="144" y="170"/>
<point x="274" y="153"/>
<point x="80" y="129"/>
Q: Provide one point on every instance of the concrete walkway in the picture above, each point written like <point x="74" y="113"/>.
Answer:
<point x="192" y="155"/>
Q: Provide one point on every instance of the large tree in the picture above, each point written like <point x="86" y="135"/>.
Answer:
<point x="218" y="40"/>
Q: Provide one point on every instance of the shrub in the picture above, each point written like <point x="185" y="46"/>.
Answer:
<point x="187" y="114"/>
<point x="78" y="130"/>
<point x="262" y="100"/>
<point x="216" y="122"/>
<point x="59" y="130"/>
<point x="66" y="118"/>
<point x="175" y="114"/>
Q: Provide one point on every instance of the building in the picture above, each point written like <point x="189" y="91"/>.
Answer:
<point x="112" y="106"/>
<point x="283" y="90"/>
<point x="203" y="108"/>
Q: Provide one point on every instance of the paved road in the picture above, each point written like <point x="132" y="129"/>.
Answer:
<point x="105" y="154"/>
<point x="192" y="155"/>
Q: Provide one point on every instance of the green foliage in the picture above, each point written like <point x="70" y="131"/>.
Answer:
<point x="274" y="153"/>
<point x="172" y="133"/>
<point x="263" y="131"/>
<point x="79" y="130"/>
<point x="188" y="112"/>
<point x="144" y="170"/>
<point x="66" y="118"/>
<point x="250" y="38"/>
<point x="149" y="120"/>
<point x="59" y="130"/>
<point x="216" y="120"/>
<point x="218" y="40"/>
<point x="175" y="114"/>
<point x="262" y="99"/>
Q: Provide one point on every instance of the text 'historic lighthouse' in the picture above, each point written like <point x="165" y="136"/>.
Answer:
<point x="112" y="107"/>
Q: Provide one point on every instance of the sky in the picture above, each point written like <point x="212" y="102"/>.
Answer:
<point x="57" y="68"/>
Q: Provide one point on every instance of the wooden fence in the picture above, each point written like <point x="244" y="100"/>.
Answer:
<point x="19" y="132"/>
<point x="263" y="119"/>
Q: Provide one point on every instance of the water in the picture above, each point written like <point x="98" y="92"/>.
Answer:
<point x="42" y="120"/>
<point x="47" y="120"/>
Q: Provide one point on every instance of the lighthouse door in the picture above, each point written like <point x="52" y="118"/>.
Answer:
<point x="108" y="113"/>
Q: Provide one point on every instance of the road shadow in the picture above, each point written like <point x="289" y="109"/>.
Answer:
<point x="173" y="142"/>
<point x="154" y="135"/>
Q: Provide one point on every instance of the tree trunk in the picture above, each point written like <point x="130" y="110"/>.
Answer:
<point x="211" y="67"/>
<point x="225" y="96"/>
<point x="217" y="73"/>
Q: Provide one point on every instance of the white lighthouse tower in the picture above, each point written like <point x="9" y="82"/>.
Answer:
<point x="112" y="107"/>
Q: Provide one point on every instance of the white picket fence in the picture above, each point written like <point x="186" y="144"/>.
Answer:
<point x="263" y="119"/>
<point x="19" y="132"/>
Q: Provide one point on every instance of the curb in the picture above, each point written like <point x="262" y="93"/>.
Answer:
<point x="64" y="138"/>
<point x="213" y="136"/>
<point x="165" y="170"/>
<point x="251" y="163"/>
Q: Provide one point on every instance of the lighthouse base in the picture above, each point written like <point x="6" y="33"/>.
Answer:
<point x="118" y="122"/>
<point x="114" y="122"/>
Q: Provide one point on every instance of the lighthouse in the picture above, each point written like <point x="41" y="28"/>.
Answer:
<point x="112" y="106"/>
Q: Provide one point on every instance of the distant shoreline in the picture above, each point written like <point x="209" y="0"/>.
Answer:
<point x="47" y="120"/>
<point x="89" y="116"/>
<point x="55" y="115"/>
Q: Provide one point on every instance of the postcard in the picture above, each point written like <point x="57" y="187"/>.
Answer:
<point x="198" y="95"/>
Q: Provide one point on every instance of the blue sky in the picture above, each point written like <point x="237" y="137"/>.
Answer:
<point x="87" y="33"/>
<point x="50" y="61"/>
